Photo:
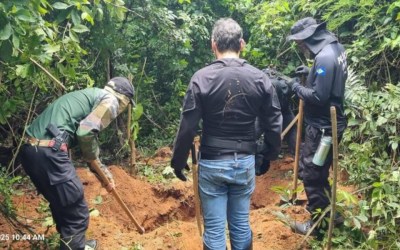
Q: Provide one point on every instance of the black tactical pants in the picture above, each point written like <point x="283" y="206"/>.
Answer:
<point x="67" y="203"/>
<point x="315" y="178"/>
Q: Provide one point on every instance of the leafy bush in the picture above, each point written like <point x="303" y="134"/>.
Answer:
<point x="7" y="190"/>
<point x="370" y="147"/>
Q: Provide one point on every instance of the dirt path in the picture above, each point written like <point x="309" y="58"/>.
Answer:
<point x="166" y="212"/>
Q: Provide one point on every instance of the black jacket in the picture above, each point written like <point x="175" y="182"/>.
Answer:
<point x="325" y="87"/>
<point x="227" y="96"/>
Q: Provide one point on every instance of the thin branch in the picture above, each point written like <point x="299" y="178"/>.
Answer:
<point x="154" y="123"/>
<point x="23" y="133"/>
<point x="125" y="8"/>
<point x="95" y="60"/>
<point x="46" y="71"/>
<point x="157" y="103"/>
<point x="284" y="52"/>
<point x="11" y="129"/>
<point x="141" y="77"/>
<point x="321" y="217"/>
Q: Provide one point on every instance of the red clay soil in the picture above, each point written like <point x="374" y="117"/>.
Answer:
<point x="165" y="211"/>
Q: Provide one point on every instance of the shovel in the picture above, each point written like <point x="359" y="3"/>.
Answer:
<point x="298" y="143"/>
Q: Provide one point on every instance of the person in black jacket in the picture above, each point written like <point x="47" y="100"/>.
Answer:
<point x="324" y="87"/>
<point x="284" y="92"/>
<point x="227" y="95"/>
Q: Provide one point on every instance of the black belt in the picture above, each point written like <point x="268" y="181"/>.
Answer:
<point x="237" y="145"/>
<point x="223" y="156"/>
<point x="45" y="143"/>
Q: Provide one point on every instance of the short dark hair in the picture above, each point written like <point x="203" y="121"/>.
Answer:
<point x="227" y="35"/>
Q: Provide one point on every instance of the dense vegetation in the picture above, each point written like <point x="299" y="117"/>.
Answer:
<point x="50" y="47"/>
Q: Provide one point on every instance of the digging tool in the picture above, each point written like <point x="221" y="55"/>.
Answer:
<point x="335" y="167"/>
<point x="196" y="189"/>
<point x="96" y="167"/>
<point x="289" y="126"/>
<point x="298" y="143"/>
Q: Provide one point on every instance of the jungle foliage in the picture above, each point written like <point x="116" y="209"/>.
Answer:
<point x="50" y="47"/>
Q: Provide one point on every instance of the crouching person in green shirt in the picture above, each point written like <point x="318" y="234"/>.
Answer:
<point x="75" y="118"/>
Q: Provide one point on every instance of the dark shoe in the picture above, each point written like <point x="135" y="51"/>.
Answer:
<point x="301" y="227"/>
<point x="91" y="245"/>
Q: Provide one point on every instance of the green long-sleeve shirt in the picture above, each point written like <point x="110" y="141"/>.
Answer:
<point x="82" y="114"/>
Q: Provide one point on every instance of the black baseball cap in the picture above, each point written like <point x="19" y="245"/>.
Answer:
<point x="123" y="86"/>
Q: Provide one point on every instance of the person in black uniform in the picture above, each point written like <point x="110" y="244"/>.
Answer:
<point x="284" y="92"/>
<point x="324" y="88"/>
<point x="227" y="95"/>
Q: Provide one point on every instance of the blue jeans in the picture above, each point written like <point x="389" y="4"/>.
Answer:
<point x="225" y="188"/>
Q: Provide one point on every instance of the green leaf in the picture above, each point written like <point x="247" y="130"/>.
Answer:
<point x="80" y="28"/>
<point x="168" y="171"/>
<point x="98" y="200"/>
<point x="15" y="41"/>
<point x="381" y="120"/>
<point x="60" y="6"/>
<point x="50" y="49"/>
<point x="5" y="33"/>
<point x="73" y="36"/>
<point x="22" y="70"/>
<point x="362" y="218"/>
<point x="48" y="222"/>
<point x="138" y="111"/>
<point x="353" y="122"/>
<point x="377" y="184"/>
<point x="357" y="223"/>
<point x="100" y="14"/>
<point x="86" y="16"/>
<point x="94" y="213"/>
<point x="76" y="19"/>
<point x="42" y="11"/>
<point x="24" y="15"/>
<point x="40" y="32"/>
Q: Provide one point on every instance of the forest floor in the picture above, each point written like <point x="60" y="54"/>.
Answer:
<point x="166" y="211"/>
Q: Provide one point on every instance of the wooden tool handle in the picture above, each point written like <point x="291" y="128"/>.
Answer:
<point x="335" y="161"/>
<point x="196" y="189"/>
<point x="96" y="167"/>
<point x="297" y="153"/>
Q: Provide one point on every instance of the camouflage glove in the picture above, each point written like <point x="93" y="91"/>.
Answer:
<point x="107" y="173"/>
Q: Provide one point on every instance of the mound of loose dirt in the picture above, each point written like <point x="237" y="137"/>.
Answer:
<point x="165" y="211"/>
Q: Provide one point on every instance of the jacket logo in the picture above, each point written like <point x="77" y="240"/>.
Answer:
<point x="321" y="71"/>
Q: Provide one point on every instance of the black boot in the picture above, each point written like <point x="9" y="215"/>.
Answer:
<point x="91" y="245"/>
<point x="302" y="227"/>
